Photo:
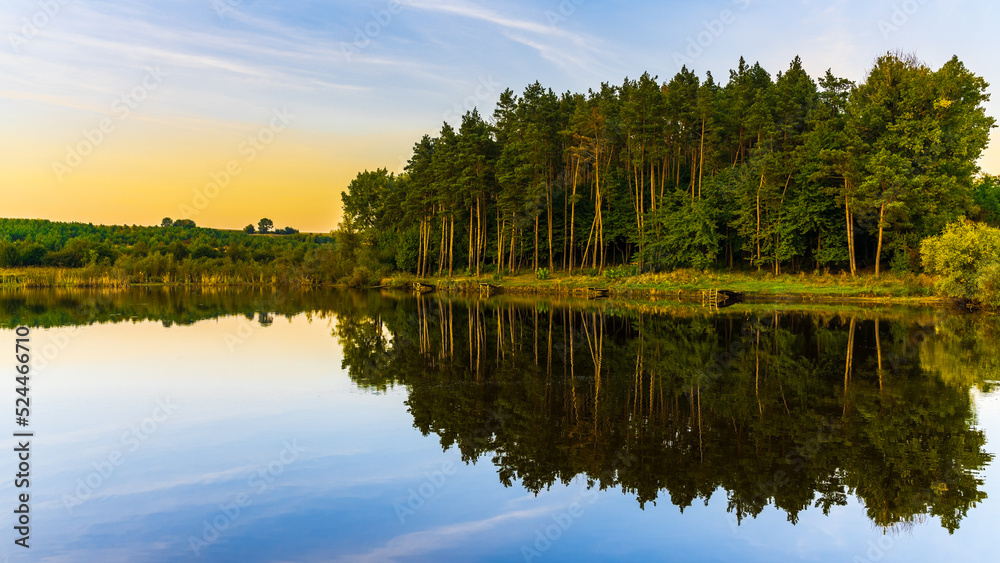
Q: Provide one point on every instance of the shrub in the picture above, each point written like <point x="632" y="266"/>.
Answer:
<point x="543" y="274"/>
<point x="361" y="277"/>
<point x="967" y="255"/>
<point x="619" y="272"/>
<point x="900" y="263"/>
<point x="989" y="284"/>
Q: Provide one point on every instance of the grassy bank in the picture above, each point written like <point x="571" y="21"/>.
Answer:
<point x="688" y="284"/>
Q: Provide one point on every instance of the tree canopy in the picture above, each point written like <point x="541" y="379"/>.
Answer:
<point x="765" y="172"/>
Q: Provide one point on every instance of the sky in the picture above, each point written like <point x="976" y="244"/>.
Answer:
<point x="226" y="111"/>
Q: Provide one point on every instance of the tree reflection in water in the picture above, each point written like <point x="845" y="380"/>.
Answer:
<point x="795" y="409"/>
<point x="790" y="409"/>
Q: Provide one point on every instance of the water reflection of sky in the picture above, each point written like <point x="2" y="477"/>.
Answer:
<point x="245" y="407"/>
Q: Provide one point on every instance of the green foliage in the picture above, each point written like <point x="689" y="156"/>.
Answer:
<point x="543" y="274"/>
<point x="9" y="255"/>
<point x="361" y="277"/>
<point x="182" y="253"/>
<point x="248" y="229"/>
<point x="31" y="254"/>
<point x="916" y="134"/>
<point x="364" y="200"/>
<point x="619" y="272"/>
<point x="986" y="193"/>
<point x="406" y="251"/>
<point x="900" y="261"/>
<point x="204" y="251"/>
<point x="769" y="171"/>
<point x="682" y="234"/>
<point x="265" y="225"/>
<point x="968" y="256"/>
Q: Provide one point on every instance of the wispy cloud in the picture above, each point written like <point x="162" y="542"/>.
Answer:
<point x="473" y="11"/>
<point x="78" y="64"/>
<point x="555" y="44"/>
<point x="426" y="541"/>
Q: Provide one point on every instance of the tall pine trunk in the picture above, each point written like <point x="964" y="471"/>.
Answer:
<point x="850" y="230"/>
<point x="451" y="247"/>
<point x="881" y="226"/>
<point x="572" y="220"/>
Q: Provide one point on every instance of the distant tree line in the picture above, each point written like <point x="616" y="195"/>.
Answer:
<point x="264" y="226"/>
<point x="773" y="173"/>
<point x="179" y="252"/>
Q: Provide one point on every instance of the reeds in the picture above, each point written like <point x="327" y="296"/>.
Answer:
<point x="119" y="278"/>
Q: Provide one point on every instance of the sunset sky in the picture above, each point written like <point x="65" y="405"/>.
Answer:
<point x="295" y="97"/>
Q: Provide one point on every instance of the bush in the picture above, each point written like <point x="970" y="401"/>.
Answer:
<point x="8" y="254"/>
<point x="967" y="255"/>
<point x="543" y="274"/>
<point x="619" y="272"/>
<point x="361" y="277"/>
<point x="990" y="286"/>
<point x="900" y="263"/>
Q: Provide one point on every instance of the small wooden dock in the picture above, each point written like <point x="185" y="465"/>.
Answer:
<point x="487" y="289"/>
<point x="597" y="292"/>
<point x="420" y="287"/>
<point x="716" y="298"/>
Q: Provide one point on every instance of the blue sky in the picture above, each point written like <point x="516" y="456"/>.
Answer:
<point x="366" y="79"/>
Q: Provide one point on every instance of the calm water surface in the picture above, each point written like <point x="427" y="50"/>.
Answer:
<point x="178" y="425"/>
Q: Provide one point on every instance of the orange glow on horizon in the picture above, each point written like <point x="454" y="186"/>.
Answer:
<point x="142" y="174"/>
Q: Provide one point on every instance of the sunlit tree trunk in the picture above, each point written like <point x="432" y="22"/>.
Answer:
<point x="761" y="186"/>
<point x="878" y="252"/>
<point x="701" y="164"/>
<point x="548" y="196"/>
<point x="535" y="267"/>
<point x="473" y="258"/>
<point x="501" y="227"/>
<point x="443" y="254"/>
<point x="451" y="247"/>
<point x="572" y="215"/>
<point x="850" y="229"/>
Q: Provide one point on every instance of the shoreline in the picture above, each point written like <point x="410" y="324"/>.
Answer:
<point x="683" y="286"/>
<point x="686" y="288"/>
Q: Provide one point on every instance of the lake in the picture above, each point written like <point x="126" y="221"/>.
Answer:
<point x="272" y="425"/>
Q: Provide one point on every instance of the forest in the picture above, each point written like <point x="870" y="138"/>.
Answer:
<point x="765" y="173"/>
